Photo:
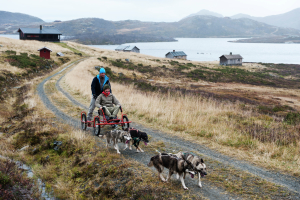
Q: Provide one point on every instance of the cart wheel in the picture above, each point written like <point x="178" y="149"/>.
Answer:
<point x="97" y="128"/>
<point x="83" y="122"/>
<point x="125" y="119"/>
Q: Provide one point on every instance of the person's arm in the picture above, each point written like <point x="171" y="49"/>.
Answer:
<point x="115" y="101"/>
<point x="98" y="101"/>
<point x="93" y="87"/>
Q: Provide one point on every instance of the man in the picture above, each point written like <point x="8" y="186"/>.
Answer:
<point x="97" y="88"/>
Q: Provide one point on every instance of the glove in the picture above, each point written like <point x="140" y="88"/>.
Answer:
<point x="94" y="96"/>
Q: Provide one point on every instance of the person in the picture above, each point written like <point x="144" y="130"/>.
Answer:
<point x="106" y="101"/>
<point x="97" y="88"/>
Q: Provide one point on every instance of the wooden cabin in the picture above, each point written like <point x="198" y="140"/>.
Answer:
<point x="41" y="34"/>
<point x="128" y="48"/>
<point x="231" y="59"/>
<point x="176" y="55"/>
<point x="45" y="52"/>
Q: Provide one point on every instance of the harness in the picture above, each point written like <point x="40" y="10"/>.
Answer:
<point x="184" y="154"/>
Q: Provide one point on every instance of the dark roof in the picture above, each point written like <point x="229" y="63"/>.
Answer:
<point x="126" y="47"/>
<point x="44" y="48"/>
<point x="177" y="53"/>
<point x="38" y="31"/>
<point x="233" y="56"/>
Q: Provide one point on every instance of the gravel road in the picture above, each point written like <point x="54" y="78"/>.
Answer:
<point x="174" y="144"/>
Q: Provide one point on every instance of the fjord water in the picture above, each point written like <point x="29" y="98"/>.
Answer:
<point x="210" y="49"/>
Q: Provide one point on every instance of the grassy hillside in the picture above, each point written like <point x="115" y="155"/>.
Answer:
<point x="18" y="18"/>
<point x="251" y="112"/>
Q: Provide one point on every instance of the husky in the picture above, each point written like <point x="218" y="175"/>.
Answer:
<point x="137" y="136"/>
<point x="198" y="163"/>
<point x="175" y="165"/>
<point x="115" y="136"/>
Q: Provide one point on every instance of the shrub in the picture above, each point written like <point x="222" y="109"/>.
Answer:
<point x="104" y="58"/>
<point x="10" y="52"/>
<point x="292" y="118"/>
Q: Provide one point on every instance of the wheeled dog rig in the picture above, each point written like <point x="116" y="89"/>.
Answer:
<point x="99" y="123"/>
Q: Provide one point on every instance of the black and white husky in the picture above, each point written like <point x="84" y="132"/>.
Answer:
<point x="175" y="165"/>
<point x="137" y="136"/>
<point x="197" y="162"/>
<point x="115" y="136"/>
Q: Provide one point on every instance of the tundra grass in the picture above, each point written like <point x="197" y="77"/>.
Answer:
<point x="231" y="128"/>
<point x="220" y="174"/>
<point x="77" y="168"/>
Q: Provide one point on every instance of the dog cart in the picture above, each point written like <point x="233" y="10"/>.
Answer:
<point x="99" y="123"/>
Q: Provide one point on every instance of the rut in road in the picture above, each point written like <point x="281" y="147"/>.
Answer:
<point x="179" y="144"/>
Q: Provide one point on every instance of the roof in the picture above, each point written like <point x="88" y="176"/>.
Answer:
<point x="129" y="48"/>
<point x="126" y="47"/>
<point x="44" y="48"/>
<point x="177" y="53"/>
<point x="38" y="31"/>
<point x="60" y="54"/>
<point x="233" y="56"/>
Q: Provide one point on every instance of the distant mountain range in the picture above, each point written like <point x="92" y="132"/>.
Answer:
<point x="290" y="19"/>
<point x="201" y="24"/>
<point x="18" y="18"/>
<point x="205" y="12"/>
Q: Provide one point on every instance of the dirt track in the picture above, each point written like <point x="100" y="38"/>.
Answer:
<point x="215" y="161"/>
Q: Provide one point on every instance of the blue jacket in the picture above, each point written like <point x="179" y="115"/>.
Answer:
<point x="97" y="89"/>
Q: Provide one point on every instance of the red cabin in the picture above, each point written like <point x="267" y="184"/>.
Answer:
<point x="45" y="52"/>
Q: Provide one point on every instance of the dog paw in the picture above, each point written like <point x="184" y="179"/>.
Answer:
<point x="200" y="186"/>
<point x="186" y="188"/>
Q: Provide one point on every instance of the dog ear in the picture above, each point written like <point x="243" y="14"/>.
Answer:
<point x="197" y="163"/>
<point x="202" y="160"/>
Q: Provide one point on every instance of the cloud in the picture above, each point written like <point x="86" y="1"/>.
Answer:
<point x="144" y="10"/>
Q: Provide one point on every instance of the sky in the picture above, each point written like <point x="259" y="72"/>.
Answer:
<point x="143" y="10"/>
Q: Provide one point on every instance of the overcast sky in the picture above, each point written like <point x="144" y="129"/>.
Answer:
<point x="144" y="10"/>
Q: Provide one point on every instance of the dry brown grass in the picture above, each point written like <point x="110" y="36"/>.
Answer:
<point x="205" y="121"/>
<point x="30" y="47"/>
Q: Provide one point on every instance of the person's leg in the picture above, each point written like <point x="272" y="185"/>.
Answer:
<point x="115" y="111"/>
<point x="91" y="109"/>
<point x="108" y="111"/>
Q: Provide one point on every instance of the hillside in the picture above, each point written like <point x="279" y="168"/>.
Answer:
<point x="18" y="18"/>
<point x="100" y="31"/>
<point x="242" y="120"/>
<point x="287" y="20"/>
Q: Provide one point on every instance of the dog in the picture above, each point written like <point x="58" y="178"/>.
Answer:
<point x="198" y="163"/>
<point x="137" y="136"/>
<point x="115" y="136"/>
<point x="175" y="165"/>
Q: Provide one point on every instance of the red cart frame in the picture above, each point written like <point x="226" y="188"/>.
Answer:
<point x="97" y="123"/>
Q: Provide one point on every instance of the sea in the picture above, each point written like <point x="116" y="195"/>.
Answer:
<point x="210" y="49"/>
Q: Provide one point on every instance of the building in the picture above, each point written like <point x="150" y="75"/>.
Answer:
<point x="231" y="59"/>
<point x="128" y="48"/>
<point x="45" y="52"/>
<point x="46" y="34"/>
<point x="176" y="55"/>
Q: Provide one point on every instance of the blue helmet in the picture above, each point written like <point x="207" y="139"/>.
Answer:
<point x="102" y="70"/>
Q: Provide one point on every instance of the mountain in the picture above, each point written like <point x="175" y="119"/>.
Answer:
<point x="17" y="18"/>
<point x="286" y="20"/>
<point x="100" y="31"/>
<point x="205" y="12"/>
